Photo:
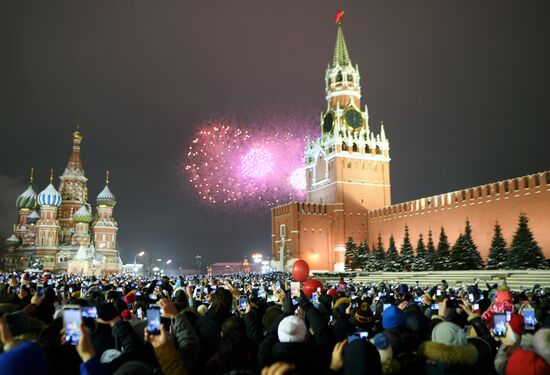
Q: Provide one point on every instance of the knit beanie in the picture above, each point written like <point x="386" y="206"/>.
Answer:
<point x="541" y="343"/>
<point x="450" y="334"/>
<point x="18" y="322"/>
<point x="27" y="358"/>
<point x="292" y="329"/>
<point x="384" y="348"/>
<point x="393" y="317"/>
<point x="363" y="316"/>
<point x="107" y="311"/>
<point x="526" y="362"/>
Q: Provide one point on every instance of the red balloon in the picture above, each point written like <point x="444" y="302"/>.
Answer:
<point x="311" y="286"/>
<point x="300" y="270"/>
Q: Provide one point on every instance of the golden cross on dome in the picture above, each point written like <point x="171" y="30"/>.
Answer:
<point x="107" y="177"/>
<point x="51" y="175"/>
<point x="31" y="178"/>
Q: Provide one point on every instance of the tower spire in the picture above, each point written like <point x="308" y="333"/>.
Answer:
<point x="51" y="175"/>
<point x="107" y="178"/>
<point x="31" y="177"/>
<point x="341" y="54"/>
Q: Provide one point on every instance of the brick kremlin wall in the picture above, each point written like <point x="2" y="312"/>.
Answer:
<point x="483" y="205"/>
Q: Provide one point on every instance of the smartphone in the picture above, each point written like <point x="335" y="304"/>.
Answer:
<point x="508" y="315"/>
<point x="314" y="298"/>
<point x="70" y="289"/>
<point x="499" y="324"/>
<point x="358" y="336"/>
<point x="89" y="312"/>
<point x="138" y="293"/>
<point x="139" y="313"/>
<point x="438" y="292"/>
<point x="243" y="303"/>
<point x="475" y="306"/>
<point x="434" y="306"/>
<point x="153" y="319"/>
<point x="295" y="289"/>
<point x="452" y="303"/>
<point x="153" y="296"/>
<point x="205" y="290"/>
<point x="418" y="300"/>
<point x="261" y="293"/>
<point x="119" y="289"/>
<point x="197" y="293"/>
<point x="471" y="297"/>
<point x="319" y="290"/>
<point x="529" y="318"/>
<point x="72" y="316"/>
<point x="386" y="305"/>
<point x="278" y="285"/>
<point x="40" y="290"/>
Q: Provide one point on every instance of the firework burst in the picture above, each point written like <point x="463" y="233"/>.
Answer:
<point x="257" y="163"/>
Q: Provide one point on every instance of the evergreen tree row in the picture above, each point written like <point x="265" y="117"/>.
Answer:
<point x="524" y="252"/>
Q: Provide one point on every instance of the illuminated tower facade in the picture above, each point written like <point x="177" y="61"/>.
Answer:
<point x="348" y="164"/>
<point x="47" y="227"/>
<point x="73" y="189"/>
<point x="105" y="227"/>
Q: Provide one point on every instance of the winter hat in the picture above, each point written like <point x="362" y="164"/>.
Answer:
<point x="341" y="301"/>
<point x="384" y="348"/>
<point x="202" y="309"/>
<point x="541" y="343"/>
<point x="526" y="362"/>
<point x="107" y="311"/>
<point x="292" y="329"/>
<point x="402" y="289"/>
<point x="361" y="357"/>
<point x="363" y="315"/>
<point x="503" y="295"/>
<point x="130" y="298"/>
<point x="332" y="292"/>
<point x="393" y="317"/>
<point x="16" y="361"/>
<point x="126" y="314"/>
<point x="342" y="328"/>
<point x="517" y="324"/>
<point x="19" y="322"/>
<point x="450" y="334"/>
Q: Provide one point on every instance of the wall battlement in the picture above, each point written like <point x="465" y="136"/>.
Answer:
<point x="507" y="189"/>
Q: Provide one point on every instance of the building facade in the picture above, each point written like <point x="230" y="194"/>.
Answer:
<point x="56" y="229"/>
<point x="349" y="190"/>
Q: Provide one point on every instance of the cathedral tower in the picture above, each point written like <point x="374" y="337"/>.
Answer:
<point x="73" y="189"/>
<point x="348" y="164"/>
<point x="47" y="227"/>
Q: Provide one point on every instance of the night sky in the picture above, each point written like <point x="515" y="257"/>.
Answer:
<point x="462" y="88"/>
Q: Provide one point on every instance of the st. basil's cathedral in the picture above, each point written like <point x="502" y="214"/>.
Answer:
<point x="56" y="230"/>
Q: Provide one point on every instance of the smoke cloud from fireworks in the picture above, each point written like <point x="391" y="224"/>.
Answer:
<point x="248" y="164"/>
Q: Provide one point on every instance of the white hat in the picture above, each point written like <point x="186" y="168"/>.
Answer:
<point x="541" y="343"/>
<point x="292" y="329"/>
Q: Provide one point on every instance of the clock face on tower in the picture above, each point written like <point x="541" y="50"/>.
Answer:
<point x="328" y="122"/>
<point x="353" y="118"/>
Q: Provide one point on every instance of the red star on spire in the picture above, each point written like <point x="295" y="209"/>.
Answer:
<point x="339" y="16"/>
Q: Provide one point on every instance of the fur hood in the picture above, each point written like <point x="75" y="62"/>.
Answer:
<point x="449" y="355"/>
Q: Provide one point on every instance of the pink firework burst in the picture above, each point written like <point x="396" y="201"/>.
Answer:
<point x="249" y="164"/>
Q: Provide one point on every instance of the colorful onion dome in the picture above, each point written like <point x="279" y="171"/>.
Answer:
<point x="12" y="241"/>
<point x="33" y="217"/>
<point x="82" y="215"/>
<point x="106" y="198"/>
<point x="27" y="199"/>
<point x="49" y="197"/>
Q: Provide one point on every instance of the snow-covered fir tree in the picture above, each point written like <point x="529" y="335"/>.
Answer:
<point x="420" y="260"/>
<point x="351" y="249"/>
<point x="363" y="252"/>
<point x="431" y="255"/>
<point x="391" y="262"/>
<point x="525" y="253"/>
<point x="498" y="253"/>
<point x="443" y="252"/>
<point x="407" y="252"/>
<point x="379" y="256"/>
<point x="473" y="260"/>
<point x="457" y="259"/>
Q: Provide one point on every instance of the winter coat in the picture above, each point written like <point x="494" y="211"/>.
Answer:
<point x="189" y="346"/>
<point x="441" y="359"/>
<point x="402" y="340"/>
<point x="209" y="328"/>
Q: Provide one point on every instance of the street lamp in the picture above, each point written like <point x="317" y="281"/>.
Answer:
<point x="135" y="258"/>
<point x="257" y="258"/>
<point x="169" y="261"/>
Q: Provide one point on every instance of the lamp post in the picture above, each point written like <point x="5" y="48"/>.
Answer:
<point x="169" y="261"/>
<point x="135" y="258"/>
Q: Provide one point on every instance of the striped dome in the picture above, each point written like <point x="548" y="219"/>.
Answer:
<point x="106" y="198"/>
<point x="27" y="199"/>
<point x="33" y="217"/>
<point x="12" y="241"/>
<point x="49" y="197"/>
<point x="82" y="215"/>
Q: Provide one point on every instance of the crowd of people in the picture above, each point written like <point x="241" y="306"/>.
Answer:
<point x="262" y="324"/>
